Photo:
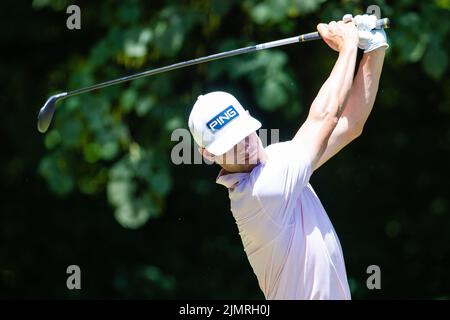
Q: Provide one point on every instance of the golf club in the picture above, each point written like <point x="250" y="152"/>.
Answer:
<point x="46" y="113"/>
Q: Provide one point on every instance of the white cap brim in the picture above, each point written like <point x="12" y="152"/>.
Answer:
<point x="237" y="131"/>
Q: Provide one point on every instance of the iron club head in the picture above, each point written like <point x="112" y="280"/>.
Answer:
<point x="46" y="113"/>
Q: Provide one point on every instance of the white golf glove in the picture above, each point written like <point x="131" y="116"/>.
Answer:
<point x="369" y="37"/>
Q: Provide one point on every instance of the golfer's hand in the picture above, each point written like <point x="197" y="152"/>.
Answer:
<point x="369" y="37"/>
<point x="339" y="35"/>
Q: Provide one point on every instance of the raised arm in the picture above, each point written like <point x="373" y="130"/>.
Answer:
<point x="359" y="104"/>
<point x="329" y="104"/>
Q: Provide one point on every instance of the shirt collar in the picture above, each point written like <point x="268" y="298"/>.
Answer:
<point x="230" y="180"/>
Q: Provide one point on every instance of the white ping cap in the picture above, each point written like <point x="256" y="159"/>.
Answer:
<point x="218" y="122"/>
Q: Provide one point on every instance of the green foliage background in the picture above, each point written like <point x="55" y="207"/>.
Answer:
<point x="99" y="189"/>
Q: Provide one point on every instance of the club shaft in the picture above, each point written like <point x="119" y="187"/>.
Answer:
<point x="165" y="69"/>
<point x="188" y="63"/>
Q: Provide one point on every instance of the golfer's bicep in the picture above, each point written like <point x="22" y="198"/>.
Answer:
<point x="314" y="135"/>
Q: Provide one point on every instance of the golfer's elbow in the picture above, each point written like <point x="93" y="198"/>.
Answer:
<point x="355" y="131"/>
<point x="328" y="111"/>
<point x="329" y="120"/>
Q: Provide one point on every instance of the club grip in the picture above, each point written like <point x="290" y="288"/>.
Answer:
<point x="309" y="36"/>
<point x="380" y="24"/>
<point x="384" y="23"/>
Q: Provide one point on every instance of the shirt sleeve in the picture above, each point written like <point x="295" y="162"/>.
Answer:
<point x="282" y="179"/>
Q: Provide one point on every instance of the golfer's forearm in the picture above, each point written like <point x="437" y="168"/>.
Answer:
<point x="364" y="90"/>
<point x="333" y="94"/>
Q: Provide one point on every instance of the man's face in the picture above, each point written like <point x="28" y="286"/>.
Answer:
<point x="244" y="152"/>
<point x="242" y="157"/>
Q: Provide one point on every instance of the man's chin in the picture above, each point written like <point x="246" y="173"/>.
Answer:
<point x="236" y="168"/>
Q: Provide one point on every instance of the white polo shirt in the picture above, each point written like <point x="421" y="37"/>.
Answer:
<point x="287" y="236"/>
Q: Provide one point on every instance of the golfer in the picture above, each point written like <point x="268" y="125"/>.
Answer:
<point x="286" y="233"/>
